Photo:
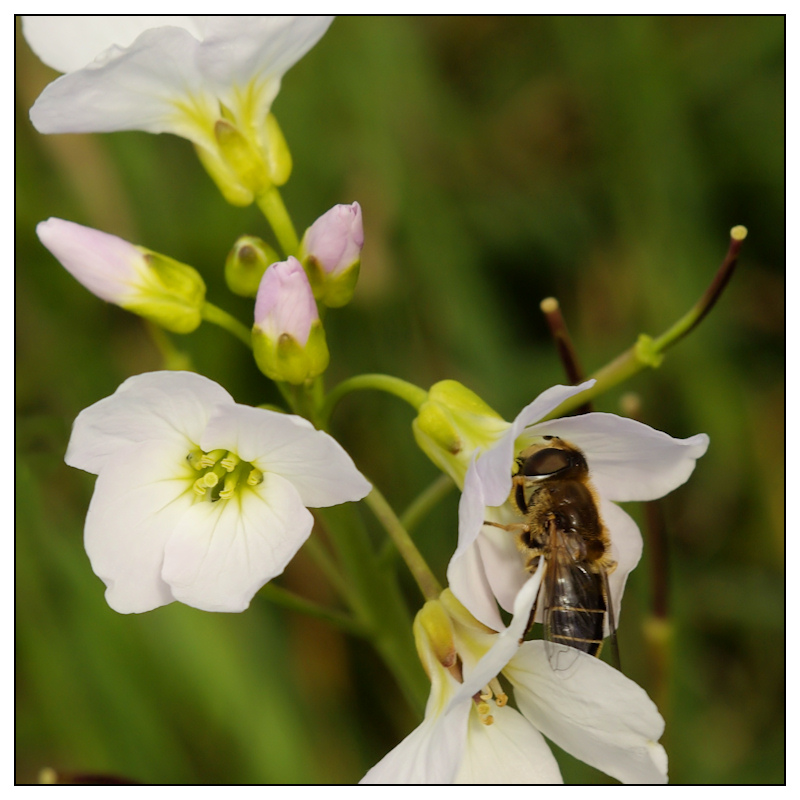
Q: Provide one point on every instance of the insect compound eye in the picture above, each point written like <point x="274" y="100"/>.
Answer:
<point x="546" y="462"/>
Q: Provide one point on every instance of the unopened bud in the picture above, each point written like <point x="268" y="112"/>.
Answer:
<point x="149" y="284"/>
<point x="452" y="423"/>
<point x="288" y="337"/>
<point x="246" y="264"/>
<point x="331" y="254"/>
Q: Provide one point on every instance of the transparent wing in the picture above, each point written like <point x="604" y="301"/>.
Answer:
<point x="573" y="602"/>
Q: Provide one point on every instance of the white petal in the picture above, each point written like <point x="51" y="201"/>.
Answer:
<point x="593" y="712"/>
<point x="156" y="406"/>
<point x="136" y="89"/>
<point x="505" y="645"/>
<point x="494" y="466"/>
<point x="627" y="459"/>
<point x="467" y="579"/>
<point x="138" y="499"/>
<point x="238" y="50"/>
<point x="68" y="43"/>
<point x="430" y="754"/>
<point x="503" y="564"/>
<point x="626" y="550"/>
<point x="509" y="751"/>
<point x="220" y="554"/>
<point x="315" y="463"/>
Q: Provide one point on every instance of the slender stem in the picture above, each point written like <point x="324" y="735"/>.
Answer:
<point x="290" y="600"/>
<point x="692" y="319"/>
<point x="422" y="504"/>
<point x="648" y="352"/>
<point x="412" y="394"/>
<point x="217" y="316"/>
<point x="172" y="356"/>
<point x="419" y="508"/>
<point x="564" y="346"/>
<point x="377" y="600"/>
<point x="417" y="565"/>
<point x="271" y="204"/>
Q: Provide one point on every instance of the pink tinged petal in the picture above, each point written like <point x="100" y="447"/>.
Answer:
<point x="106" y="265"/>
<point x="509" y="751"/>
<point x="627" y="459"/>
<point x="68" y="43"/>
<point x="312" y="461"/>
<point x="336" y="238"/>
<point x="285" y="302"/>
<point x="430" y="754"/>
<point x="138" y="499"/>
<point x="593" y="712"/>
<point x="154" y="407"/>
<point x="240" y="49"/>
<point x="136" y="89"/>
<point x="220" y="554"/>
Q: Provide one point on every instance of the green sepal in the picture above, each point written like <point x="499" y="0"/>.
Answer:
<point x="172" y="295"/>
<point x="278" y="158"/>
<point x="246" y="264"/>
<point x="285" y="359"/>
<point x="333" y="291"/>
<point x="240" y="155"/>
<point x="452" y="423"/>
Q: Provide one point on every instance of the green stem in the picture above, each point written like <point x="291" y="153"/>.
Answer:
<point x="425" y="501"/>
<point x="294" y="602"/>
<point x="412" y="394"/>
<point x="648" y="352"/>
<point x="377" y="600"/>
<point x="271" y="204"/>
<point x="417" y="565"/>
<point x="223" y="319"/>
<point x="419" y="508"/>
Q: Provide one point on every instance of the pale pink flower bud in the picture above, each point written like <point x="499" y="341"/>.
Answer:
<point x="285" y="303"/>
<point x="331" y="254"/>
<point x="149" y="284"/>
<point x="335" y="240"/>
<point x="288" y="337"/>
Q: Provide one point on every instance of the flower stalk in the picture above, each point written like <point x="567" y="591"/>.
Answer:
<point x="272" y="206"/>
<point x="648" y="352"/>
<point x="228" y="322"/>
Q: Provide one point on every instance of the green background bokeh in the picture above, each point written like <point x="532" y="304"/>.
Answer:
<point x="498" y="160"/>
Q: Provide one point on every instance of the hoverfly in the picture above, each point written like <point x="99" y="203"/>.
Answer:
<point x="551" y="489"/>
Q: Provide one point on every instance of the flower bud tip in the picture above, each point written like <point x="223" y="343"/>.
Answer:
<point x="549" y="305"/>
<point x="739" y="233"/>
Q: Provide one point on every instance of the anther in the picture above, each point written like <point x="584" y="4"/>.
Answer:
<point x="229" y="462"/>
<point x="255" y="477"/>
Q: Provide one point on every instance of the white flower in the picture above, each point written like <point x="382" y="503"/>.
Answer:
<point x="211" y="80"/>
<point x="627" y="461"/>
<point x="593" y="712"/>
<point x="199" y="499"/>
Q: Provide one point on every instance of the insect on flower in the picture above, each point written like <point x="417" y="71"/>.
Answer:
<point x="552" y="490"/>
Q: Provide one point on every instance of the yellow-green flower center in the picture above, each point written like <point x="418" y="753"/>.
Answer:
<point x="221" y="473"/>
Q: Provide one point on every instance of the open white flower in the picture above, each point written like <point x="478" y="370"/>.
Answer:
<point x="211" y="80"/>
<point x="627" y="461"/>
<point x="592" y="711"/>
<point x="199" y="499"/>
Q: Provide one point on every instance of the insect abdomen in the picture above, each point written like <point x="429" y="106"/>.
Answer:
<point x="571" y="622"/>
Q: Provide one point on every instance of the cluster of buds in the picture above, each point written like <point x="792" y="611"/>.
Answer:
<point x="288" y="337"/>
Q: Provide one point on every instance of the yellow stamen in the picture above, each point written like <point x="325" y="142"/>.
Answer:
<point x="255" y="477"/>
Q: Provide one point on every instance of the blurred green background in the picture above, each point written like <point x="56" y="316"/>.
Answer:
<point x="498" y="160"/>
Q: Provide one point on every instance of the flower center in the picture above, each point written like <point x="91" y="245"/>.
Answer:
<point x="221" y="473"/>
<point x="482" y="700"/>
